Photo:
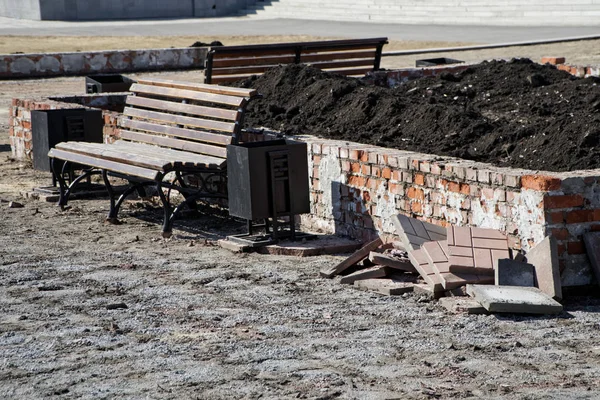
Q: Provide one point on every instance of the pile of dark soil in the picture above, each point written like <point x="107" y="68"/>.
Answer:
<point x="509" y="113"/>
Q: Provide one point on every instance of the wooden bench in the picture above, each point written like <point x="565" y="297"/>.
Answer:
<point x="353" y="57"/>
<point x="169" y="131"/>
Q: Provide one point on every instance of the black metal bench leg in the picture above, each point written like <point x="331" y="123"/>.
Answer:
<point x="190" y="201"/>
<point x="113" y="211"/>
<point x="57" y="173"/>
<point x="168" y="217"/>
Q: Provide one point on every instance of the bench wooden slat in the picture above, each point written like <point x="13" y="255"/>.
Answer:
<point x="112" y="166"/>
<point x="233" y="62"/>
<point x="352" y="43"/>
<point x="232" y="115"/>
<point x="322" y="65"/>
<point x="343" y="64"/>
<point x="185" y="145"/>
<point x="232" y="91"/>
<point x="178" y="132"/>
<point x="183" y="157"/>
<point x="181" y="120"/>
<point x="311" y="57"/>
<point x="112" y="153"/>
<point x="188" y="94"/>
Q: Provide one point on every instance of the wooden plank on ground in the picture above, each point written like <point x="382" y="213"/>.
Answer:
<point x="391" y="261"/>
<point x="358" y="255"/>
<point x="377" y="271"/>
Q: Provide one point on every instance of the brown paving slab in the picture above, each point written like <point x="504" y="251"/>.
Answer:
<point x="414" y="232"/>
<point x="390" y="261"/>
<point x="419" y="260"/>
<point x="359" y="255"/>
<point x="424" y="289"/>
<point x="377" y="271"/>
<point x="475" y="250"/>
<point x="592" y="245"/>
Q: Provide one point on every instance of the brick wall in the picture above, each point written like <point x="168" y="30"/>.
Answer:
<point x="356" y="189"/>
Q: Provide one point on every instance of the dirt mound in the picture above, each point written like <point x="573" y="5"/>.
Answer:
<point x="509" y="113"/>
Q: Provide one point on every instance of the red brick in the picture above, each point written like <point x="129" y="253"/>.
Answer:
<point x="417" y="208"/>
<point x="562" y="248"/>
<point x="315" y="172"/>
<point x="344" y="152"/>
<point x="26" y="124"/>
<point x="372" y="183"/>
<point x="386" y="173"/>
<point x="556" y="217"/>
<point x="595" y="228"/>
<point x="540" y="182"/>
<point x="355" y="167"/>
<point x="364" y="156"/>
<point x="566" y="201"/>
<point x="376" y="171"/>
<point x="487" y="193"/>
<point x="553" y="60"/>
<point x="366" y="170"/>
<point x="316" y="160"/>
<point x="366" y="196"/>
<point x="356" y="181"/>
<point x="596" y="214"/>
<point x="415" y="193"/>
<point x="576" y="247"/>
<point x="560" y="234"/>
<point x="579" y="216"/>
<point x="395" y="188"/>
<point x="346" y="166"/>
<point x="355" y="155"/>
<point x="419" y="179"/>
<point x="465" y="188"/>
<point x="454" y="187"/>
<point x="396" y="175"/>
<point x="315" y="184"/>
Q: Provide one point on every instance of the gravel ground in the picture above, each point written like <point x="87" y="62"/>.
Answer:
<point x="91" y="310"/>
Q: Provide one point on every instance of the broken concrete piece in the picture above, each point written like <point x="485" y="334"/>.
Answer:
<point x="592" y="245"/>
<point x="15" y="204"/>
<point x="389" y="287"/>
<point x="513" y="273"/>
<point x="233" y="246"/>
<point x="427" y="290"/>
<point x="392" y="262"/>
<point x="544" y="258"/>
<point x="462" y="305"/>
<point x="324" y="244"/>
<point x="514" y="299"/>
<point x="352" y="260"/>
<point x="414" y="232"/>
<point x="377" y="271"/>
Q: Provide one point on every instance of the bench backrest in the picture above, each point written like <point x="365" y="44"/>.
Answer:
<point x="188" y="116"/>
<point x="353" y="57"/>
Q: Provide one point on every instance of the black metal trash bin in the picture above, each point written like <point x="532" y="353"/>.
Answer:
<point x="267" y="180"/>
<point x="103" y="83"/>
<point x="50" y="127"/>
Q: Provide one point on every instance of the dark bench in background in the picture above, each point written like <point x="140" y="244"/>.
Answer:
<point x="353" y="57"/>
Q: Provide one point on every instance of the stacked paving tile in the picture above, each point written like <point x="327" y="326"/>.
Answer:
<point x="448" y="258"/>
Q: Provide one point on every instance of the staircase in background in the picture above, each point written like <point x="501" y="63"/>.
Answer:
<point x="438" y="12"/>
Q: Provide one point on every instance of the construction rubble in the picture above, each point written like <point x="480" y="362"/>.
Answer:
<point x="469" y="269"/>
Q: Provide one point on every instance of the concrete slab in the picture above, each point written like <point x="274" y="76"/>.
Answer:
<point x="387" y="286"/>
<point x="420" y="261"/>
<point x="592" y="245"/>
<point x="544" y="258"/>
<point x="514" y="273"/>
<point x="390" y="261"/>
<point x="514" y="299"/>
<point x="359" y="255"/>
<point x="462" y="305"/>
<point x="324" y="244"/>
<point x="475" y="250"/>
<point x="377" y="271"/>
<point x="233" y="246"/>
<point x="427" y="290"/>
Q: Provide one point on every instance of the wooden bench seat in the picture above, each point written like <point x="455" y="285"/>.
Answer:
<point x="353" y="57"/>
<point x="169" y="130"/>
